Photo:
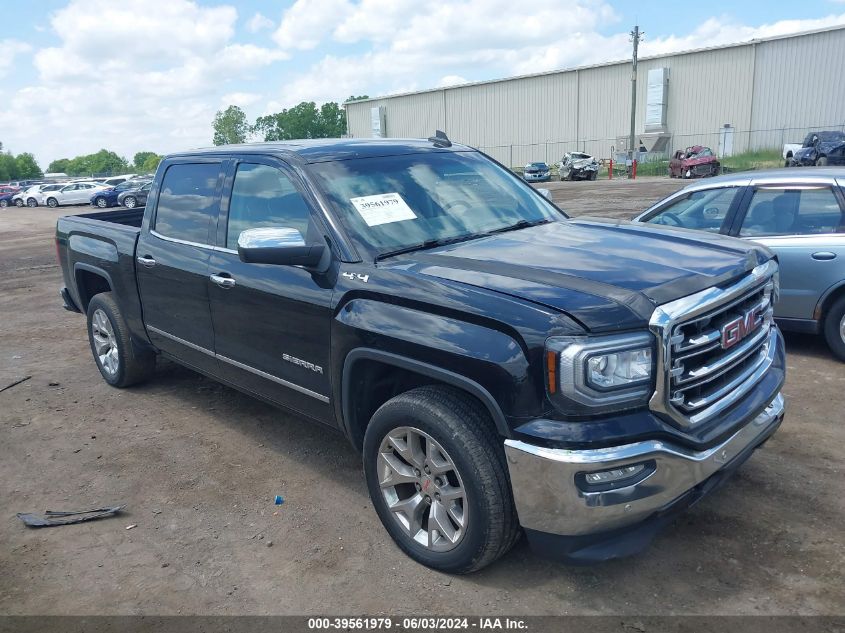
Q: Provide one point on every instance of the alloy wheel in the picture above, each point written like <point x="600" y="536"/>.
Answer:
<point x="129" y="202"/>
<point x="422" y="488"/>
<point x="101" y="202"/>
<point x="842" y="328"/>
<point x="105" y="343"/>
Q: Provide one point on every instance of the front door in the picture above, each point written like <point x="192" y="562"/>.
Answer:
<point x="803" y="225"/>
<point x="172" y="262"/>
<point x="271" y="323"/>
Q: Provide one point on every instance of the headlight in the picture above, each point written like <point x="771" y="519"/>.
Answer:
<point x="596" y="374"/>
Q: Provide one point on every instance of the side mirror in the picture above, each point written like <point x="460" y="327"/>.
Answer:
<point x="545" y="193"/>
<point x="282" y="246"/>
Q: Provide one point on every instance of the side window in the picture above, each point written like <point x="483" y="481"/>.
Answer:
<point x="704" y="210"/>
<point x="784" y="211"/>
<point x="264" y="196"/>
<point x="187" y="204"/>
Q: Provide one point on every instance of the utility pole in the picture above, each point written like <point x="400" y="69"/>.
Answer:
<point x="635" y="38"/>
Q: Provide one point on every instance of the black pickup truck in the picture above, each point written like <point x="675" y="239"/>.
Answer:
<point x="502" y="368"/>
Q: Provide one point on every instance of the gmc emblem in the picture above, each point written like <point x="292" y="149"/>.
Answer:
<point x="734" y="331"/>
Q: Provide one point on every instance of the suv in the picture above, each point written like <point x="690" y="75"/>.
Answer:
<point x="496" y="364"/>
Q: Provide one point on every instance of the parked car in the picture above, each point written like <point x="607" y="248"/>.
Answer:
<point x="6" y="199"/>
<point x="19" y="199"/>
<point x="694" y="162"/>
<point x="789" y="150"/>
<point x="36" y="198"/>
<point x="795" y="213"/>
<point x="134" y="197"/>
<point x="496" y="363"/>
<point x="821" y="149"/>
<point x="537" y="172"/>
<point x="72" y="193"/>
<point x="13" y="189"/>
<point x="578" y="166"/>
<point x="108" y="197"/>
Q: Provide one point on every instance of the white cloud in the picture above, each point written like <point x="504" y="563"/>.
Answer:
<point x="451" y="80"/>
<point x="9" y="50"/>
<point x="240" y="99"/>
<point x="173" y="59"/>
<point x="259" y="22"/>
<point x="307" y="22"/>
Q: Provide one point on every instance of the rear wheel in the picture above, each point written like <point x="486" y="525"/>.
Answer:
<point x="52" y="203"/>
<point x="834" y="328"/>
<point x="120" y="363"/>
<point x="821" y="161"/>
<point x="437" y="476"/>
<point x="32" y="203"/>
<point x="130" y="202"/>
<point x="19" y="202"/>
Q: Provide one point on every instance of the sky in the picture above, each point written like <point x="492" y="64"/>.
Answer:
<point x="149" y="75"/>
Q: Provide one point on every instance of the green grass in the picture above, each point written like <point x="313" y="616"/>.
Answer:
<point x="758" y="159"/>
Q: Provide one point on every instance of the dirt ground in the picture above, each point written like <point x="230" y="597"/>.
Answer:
<point x="198" y="466"/>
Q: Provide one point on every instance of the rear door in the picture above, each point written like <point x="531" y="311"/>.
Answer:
<point x="172" y="261"/>
<point x="271" y="323"/>
<point x="803" y="224"/>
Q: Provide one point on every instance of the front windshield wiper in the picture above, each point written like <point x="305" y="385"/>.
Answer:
<point x="521" y="224"/>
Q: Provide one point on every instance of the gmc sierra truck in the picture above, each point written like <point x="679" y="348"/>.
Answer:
<point x="501" y="368"/>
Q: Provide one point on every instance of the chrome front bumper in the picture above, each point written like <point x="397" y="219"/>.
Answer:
<point x="550" y="496"/>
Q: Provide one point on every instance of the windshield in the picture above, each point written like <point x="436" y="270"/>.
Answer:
<point x="396" y="202"/>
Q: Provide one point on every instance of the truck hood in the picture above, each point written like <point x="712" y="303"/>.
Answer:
<point x="606" y="274"/>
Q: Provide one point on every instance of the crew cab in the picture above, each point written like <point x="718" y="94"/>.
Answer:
<point x="501" y="368"/>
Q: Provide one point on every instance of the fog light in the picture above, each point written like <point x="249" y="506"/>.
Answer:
<point x="609" y="476"/>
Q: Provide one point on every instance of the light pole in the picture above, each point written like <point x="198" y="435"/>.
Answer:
<point x="636" y="36"/>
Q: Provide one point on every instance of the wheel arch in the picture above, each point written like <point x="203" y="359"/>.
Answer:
<point x="90" y="281"/>
<point x="830" y="296"/>
<point x="389" y="374"/>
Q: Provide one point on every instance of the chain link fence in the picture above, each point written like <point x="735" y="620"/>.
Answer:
<point x="725" y="142"/>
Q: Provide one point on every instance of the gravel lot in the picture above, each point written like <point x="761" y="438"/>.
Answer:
<point x="198" y="465"/>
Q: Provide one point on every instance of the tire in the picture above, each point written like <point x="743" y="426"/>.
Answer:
<point x="31" y="203"/>
<point x="821" y="161"/>
<point x="594" y="175"/>
<point x="101" y="202"/>
<point x="130" y="202"/>
<point x="120" y="362"/>
<point x="19" y="202"/>
<point x="52" y="203"/>
<point x="834" y="328"/>
<point x="466" y="438"/>
<point x="4" y="204"/>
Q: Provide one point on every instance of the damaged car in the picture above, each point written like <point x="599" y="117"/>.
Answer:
<point x="820" y="149"/>
<point x="578" y="166"/>
<point x="697" y="161"/>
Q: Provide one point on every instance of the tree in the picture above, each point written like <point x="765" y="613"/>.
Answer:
<point x="150" y="163"/>
<point x="141" y="158"/>
<point x="230" y="126"/>
<point x="102" y="162"/>
<point x="8" y="167"/>
<point x="58" y="166"/>
<point x="304" y="120"/>
<point x="27" y="166"/>
<point x="361" y="98"/>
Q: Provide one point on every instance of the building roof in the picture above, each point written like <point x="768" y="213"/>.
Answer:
<point x="750" y="42"/>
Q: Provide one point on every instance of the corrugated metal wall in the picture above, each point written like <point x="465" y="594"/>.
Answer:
<point x="769" y="91"/>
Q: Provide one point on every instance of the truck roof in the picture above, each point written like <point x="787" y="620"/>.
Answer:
<point x="329" y="149"/>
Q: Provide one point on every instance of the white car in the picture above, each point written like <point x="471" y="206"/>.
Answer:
<point x="71" y="193"/>
<point x="31" y="197"/>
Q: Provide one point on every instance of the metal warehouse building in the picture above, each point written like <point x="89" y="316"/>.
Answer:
<point x="755" y="95"/>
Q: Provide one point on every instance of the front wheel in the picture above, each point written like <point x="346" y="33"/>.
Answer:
<point x="4" y="204"/>
<point x="32" y="203"/>
<point x="52" y="203"/>
<point x="834" y="328"/>
<point x="130" y="202"/>
<point x="821" y="161"/>
<point x="120" y="362"/>
<point x="436" y="473"/>
<point x="101" y="202"/>
<point x="19" y="202"/>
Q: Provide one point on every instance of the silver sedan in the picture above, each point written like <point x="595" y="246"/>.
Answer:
<point x="797" y="213"/>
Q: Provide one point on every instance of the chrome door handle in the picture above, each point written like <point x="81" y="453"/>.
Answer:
<point x="223" y="282"/>
<point x="823" y="255"/>
<point x="146" y="261"/>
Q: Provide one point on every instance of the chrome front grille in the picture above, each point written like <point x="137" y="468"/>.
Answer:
<point x="714" y="347"/>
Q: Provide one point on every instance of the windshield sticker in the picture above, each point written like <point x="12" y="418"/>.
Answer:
<point x="383" y="209"/>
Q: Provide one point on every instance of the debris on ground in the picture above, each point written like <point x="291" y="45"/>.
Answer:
<point x="129" y="527"/>
<point x="51" y="517"/>
<point x="279" y="500"/>
<point x="15" y="383"/>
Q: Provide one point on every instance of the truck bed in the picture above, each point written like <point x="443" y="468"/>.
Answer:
<point x="127" y="217"/>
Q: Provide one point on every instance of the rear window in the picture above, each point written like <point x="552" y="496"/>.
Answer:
<point x="187" y="204"/>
